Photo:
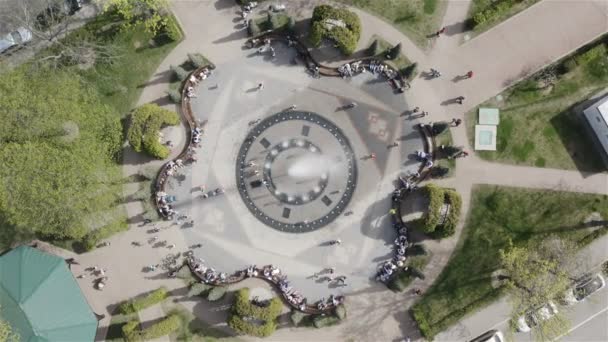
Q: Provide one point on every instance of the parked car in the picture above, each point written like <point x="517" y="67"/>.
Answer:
<point x="56" y="12"/>
<point x="584" y="288"/>
<point x="15" y="39"/>
<point x="489" y="336"/>
<point x="531" y="319"/>
<point x="277" y="7"/>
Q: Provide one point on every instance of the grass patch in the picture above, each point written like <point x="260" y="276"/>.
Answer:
<point x="540" y="123"/>
<point x="403" y="279"/>
<point x="400" y="62"/>
<point x="493" y="12"/>
<point x="120" y="83"/>
<point x="500" y="214"/>
<point x="415" y="18"/>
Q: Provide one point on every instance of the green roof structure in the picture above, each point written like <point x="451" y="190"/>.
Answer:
<point x="41" y="300"/>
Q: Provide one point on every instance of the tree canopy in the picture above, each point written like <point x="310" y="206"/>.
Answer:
<point x="151" y="13"/>
<point x="537" y="274"/>
<point x="58" y="147"/>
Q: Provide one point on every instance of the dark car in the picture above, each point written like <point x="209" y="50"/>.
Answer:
<point x="56" y="12"/>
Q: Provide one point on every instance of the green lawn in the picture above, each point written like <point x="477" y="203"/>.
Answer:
<point x="415" y="18"/>
<point x="538" y="126"/>
<point x="120" y="83"/>
<point x="499" y="12"/>
<point x="497" y="215"/>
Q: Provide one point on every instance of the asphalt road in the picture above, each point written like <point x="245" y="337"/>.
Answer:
<point x="588" y="319"/>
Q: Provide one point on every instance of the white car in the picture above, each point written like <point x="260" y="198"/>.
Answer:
<point x="14" y="39"/>
<point x="525" y="322"/>
<point x="584" y="289"/>
<point x="489" y="336"/>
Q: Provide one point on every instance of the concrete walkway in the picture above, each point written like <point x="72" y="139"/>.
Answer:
<point x="498" y="57"/>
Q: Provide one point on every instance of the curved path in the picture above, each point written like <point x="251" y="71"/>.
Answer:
<point x="374" y="313"/>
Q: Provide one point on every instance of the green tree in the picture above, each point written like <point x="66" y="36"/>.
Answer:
<point x="537" y="274"/>
<point x="150" y="13"/>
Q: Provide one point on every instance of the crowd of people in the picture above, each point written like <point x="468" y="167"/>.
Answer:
<point x="269" y="272"/>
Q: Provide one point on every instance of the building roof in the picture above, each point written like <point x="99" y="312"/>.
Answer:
<point x="597" y="117"/>
<point x="489" y="116"/>
<point x="41" y="300"/>
<point x="485" y="137"/>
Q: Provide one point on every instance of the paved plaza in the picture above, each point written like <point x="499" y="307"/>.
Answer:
<point x="295" y="179"/>
<point x="235" y="233"/>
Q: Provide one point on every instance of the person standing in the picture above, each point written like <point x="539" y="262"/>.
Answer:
<point x="460" y="99"/>
<point x="469" y="74"/>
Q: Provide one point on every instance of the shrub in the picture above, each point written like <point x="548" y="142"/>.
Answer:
<point x="325" y="321"/>
<point x="174" y="95"/>
<point x="184" y="272"/>
<point x="129" y="330"/>
<point x="416" y="250"/>
<point x="436" y="199"/>
<point x="93" y="238"/>
<point x="410" y="71"/>
<point x="242" y="308"/>
<point x="241" y="326"/>
<point x="449" y="226"/>
<point x="394" y="52"/>
<point x="171" y="30"/>
<point x="345" y="37"/>
<point x="216" y="293"/>
<point x="253" y="28"/>
<point x="146" y="122"/>
<point x="198" y="60"/>
<point x="137" y="304"/>
<point x="168" y="325"/>
<point x="374" y="48"/>
<point x="198" y="289"/>
<point x="400" y="281"/>
<point x="179" y="72"/>
<point x="297" y="317"/>
<point x="439" y="127"/>
<point x="341" y="312"/>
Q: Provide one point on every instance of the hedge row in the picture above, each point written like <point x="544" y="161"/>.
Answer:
<point x="455" y="201"/>
<point x="494" y="11"/>
<point x="166" y="326"/>
<point x="93" y="238"/>
<point x="244" y="308"/>
<point x="170" y="29"/>
<point x="248" y="328"/>
<point x="137" y="304"/>
<point x="345" y="37"/>
<point x="436" y="199"/>
<point x="437" y="196"/>
<point x="146" y="122"/>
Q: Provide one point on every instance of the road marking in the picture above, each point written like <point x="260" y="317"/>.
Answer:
<point x="582" y="323"/>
